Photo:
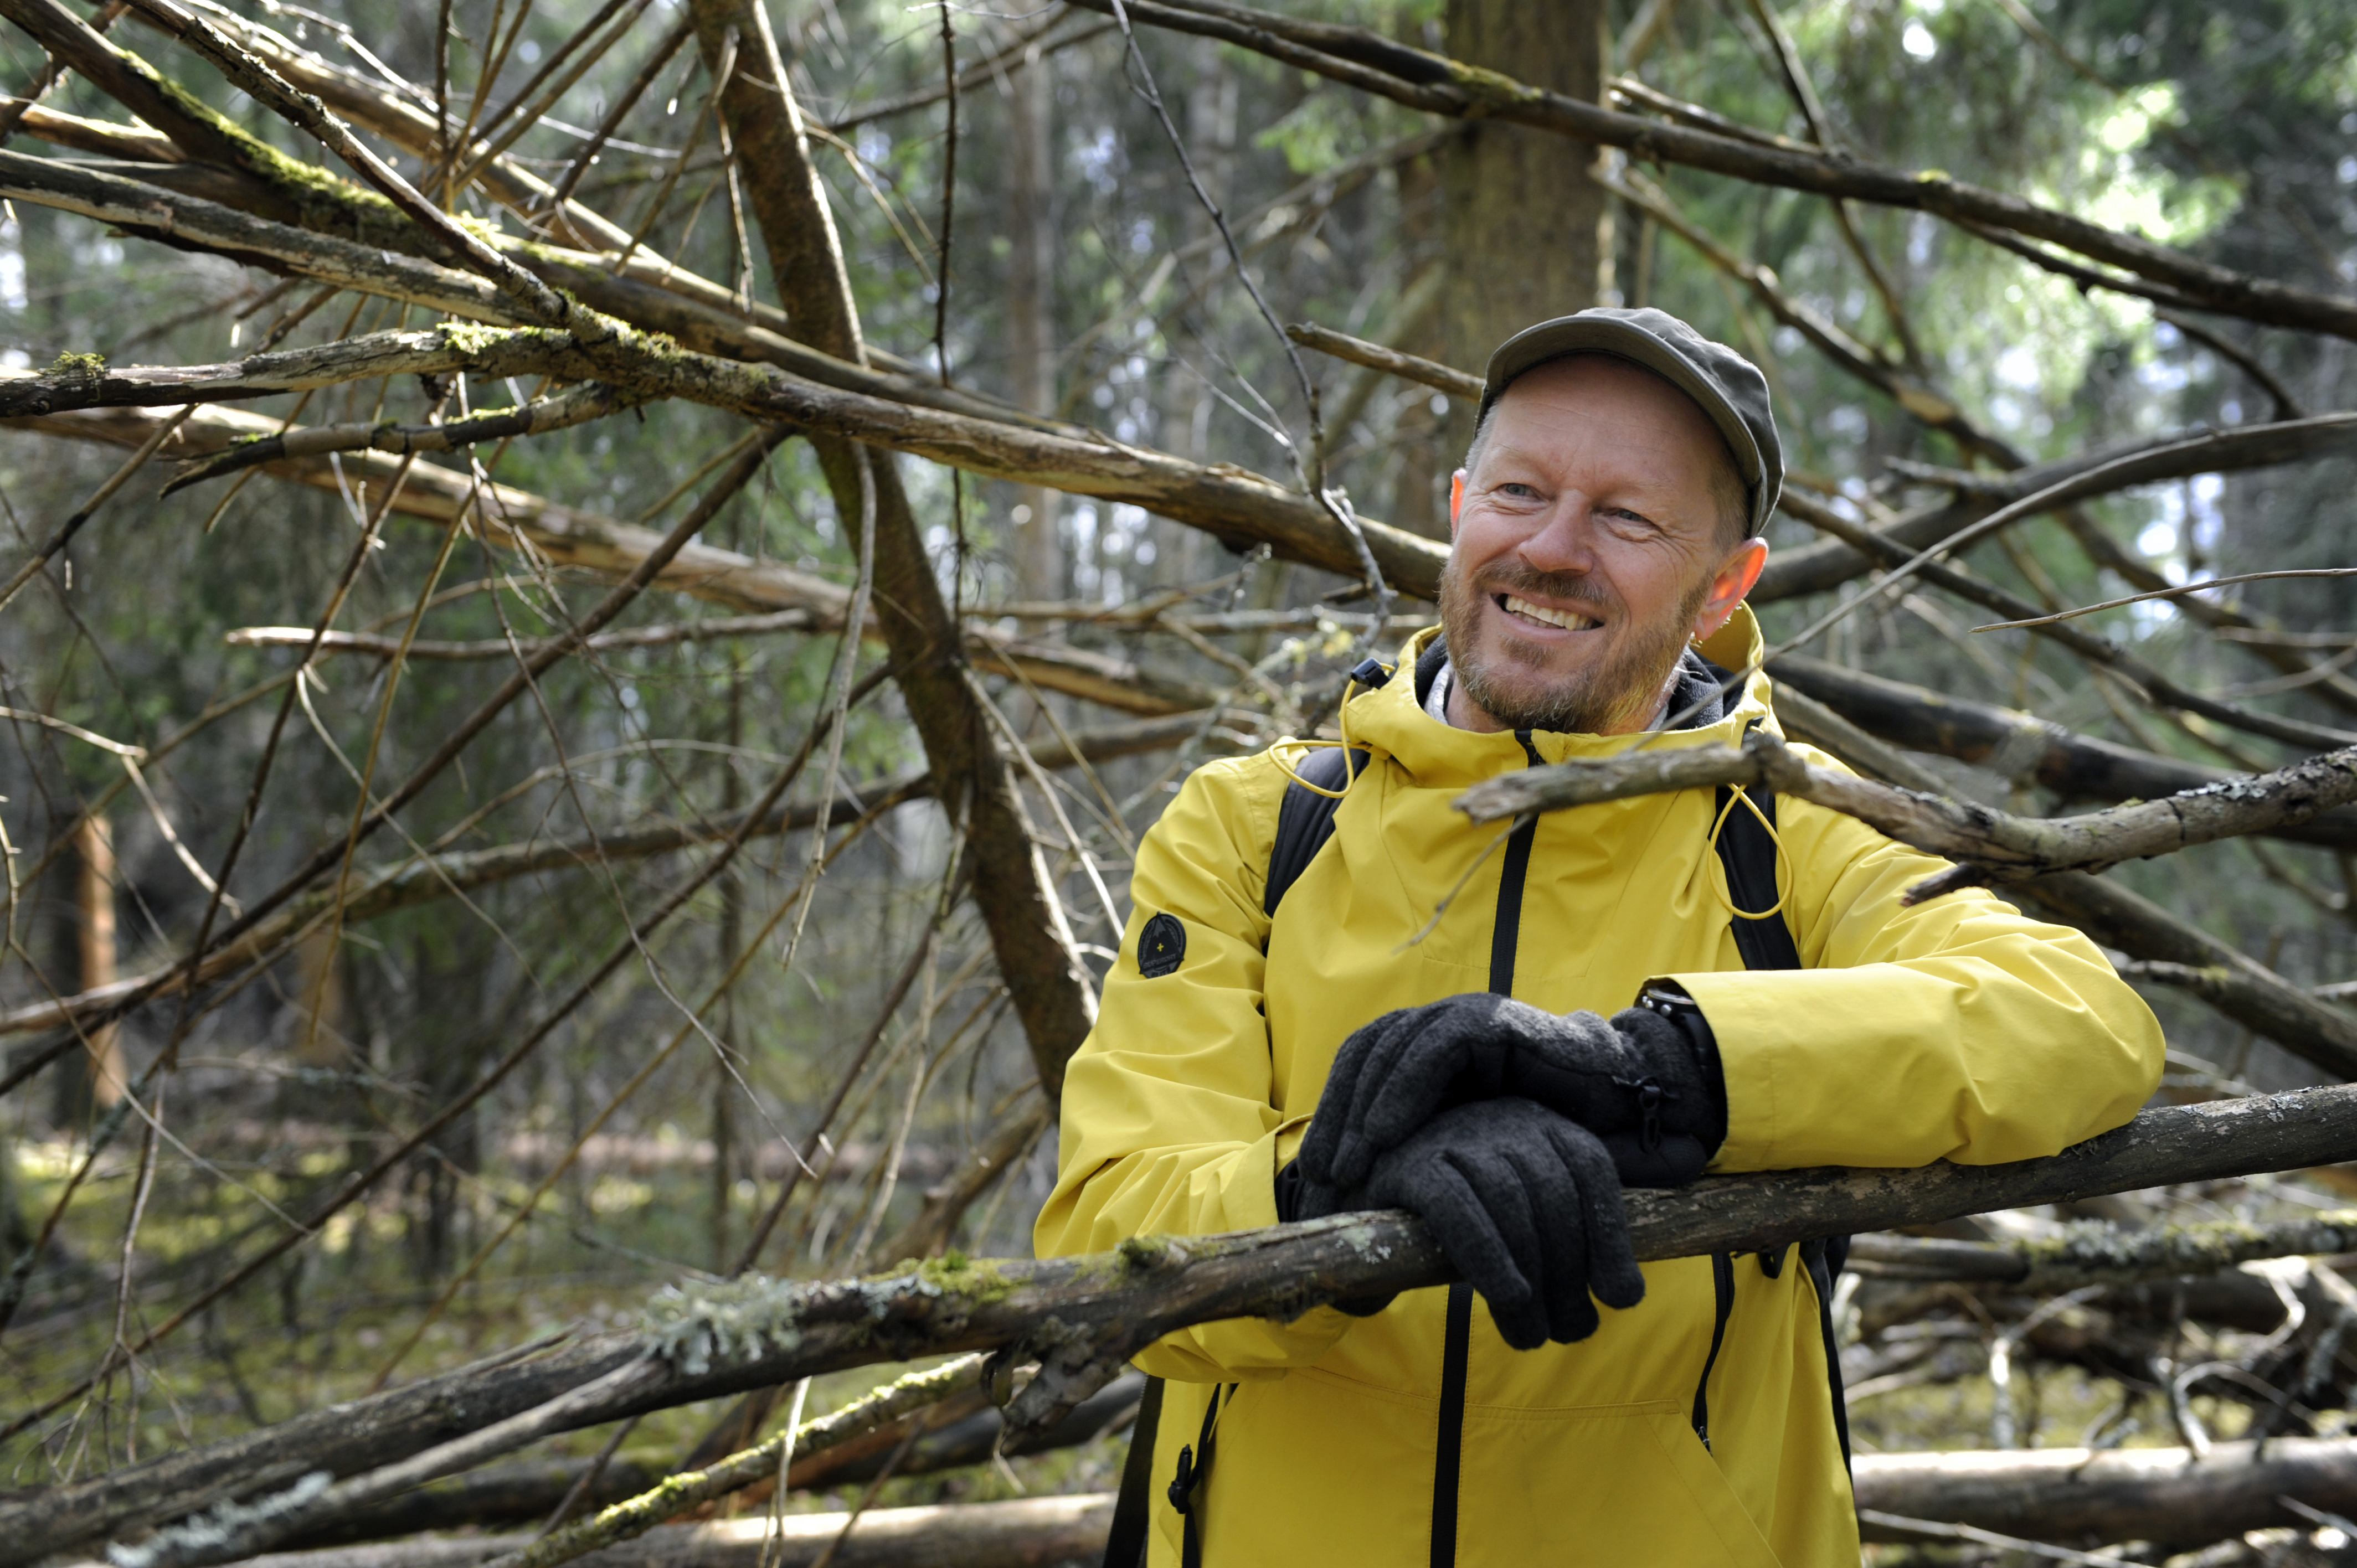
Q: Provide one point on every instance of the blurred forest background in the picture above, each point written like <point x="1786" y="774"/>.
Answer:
<point x="815" y="1064"/>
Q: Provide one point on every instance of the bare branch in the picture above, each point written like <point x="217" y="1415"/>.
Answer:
<point x="1995" y="843"/>
<point x="1391" y="362"/>
<point x="2019" y="747"/>
<point x="155" y="213"/>
<point x="575" y="405"/>
<point x="2177" y="592"/>
<point x="535" y="300"/>
<point x="2098" y="1253"/>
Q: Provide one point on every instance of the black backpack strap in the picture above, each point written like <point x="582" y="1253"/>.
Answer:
<point x="1304" y="819"/>
<point x="1824" y="1260"/>
<point x="1126" y="1547"/>
<point x="1748" y="851"/>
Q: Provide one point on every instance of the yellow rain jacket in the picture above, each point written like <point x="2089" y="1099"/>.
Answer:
<point x="1956" y="1030"/>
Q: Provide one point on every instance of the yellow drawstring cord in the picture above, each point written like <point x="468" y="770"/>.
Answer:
<point x="1342" y="722"/>
<point x="1782" y="859"/>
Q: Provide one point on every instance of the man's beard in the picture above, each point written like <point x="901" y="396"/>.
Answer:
<point x="1606" y="696"/>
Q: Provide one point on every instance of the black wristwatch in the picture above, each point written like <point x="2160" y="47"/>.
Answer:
<point x="1669" y="999"/>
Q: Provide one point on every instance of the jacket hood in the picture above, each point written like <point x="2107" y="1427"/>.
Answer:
<point x="1389" y="719"/>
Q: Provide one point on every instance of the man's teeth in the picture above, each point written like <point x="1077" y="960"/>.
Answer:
<point x="1564" y="618"/>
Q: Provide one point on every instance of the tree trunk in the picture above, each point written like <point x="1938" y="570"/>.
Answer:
<point x="319" y="1007"/>
<point x="1030" y="311"/>
<point x="94" y="904"/>
<point x="1524" y="219"/>
<point x="1419" y="496"/>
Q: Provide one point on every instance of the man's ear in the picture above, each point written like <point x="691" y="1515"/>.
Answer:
<point x="1736" y="576"/>
<point x="1457" y="505"/>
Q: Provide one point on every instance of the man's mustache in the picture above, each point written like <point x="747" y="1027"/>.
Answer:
<point x="1564" y="587"/>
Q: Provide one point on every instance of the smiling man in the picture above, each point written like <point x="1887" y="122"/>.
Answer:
<point x="1337" y="992"/>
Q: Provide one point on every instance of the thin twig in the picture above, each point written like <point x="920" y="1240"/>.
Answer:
<point x="2175" y="593"/>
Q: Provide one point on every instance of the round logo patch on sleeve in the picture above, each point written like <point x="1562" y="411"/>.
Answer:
<point x="1161" y="946"/>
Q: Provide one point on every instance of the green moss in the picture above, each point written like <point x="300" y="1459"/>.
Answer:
<point x="981" y="1280"/>
<point x="72" y="364"/>
<point x="474" y="338"/>
<point x="1143" y="1255"/>
<point x="322" y="200"/>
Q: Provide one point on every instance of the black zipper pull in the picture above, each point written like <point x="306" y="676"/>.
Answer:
<point x="1182" y="1488"/>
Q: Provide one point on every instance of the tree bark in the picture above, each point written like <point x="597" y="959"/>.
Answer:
<point x="1521" y="216"/>
<point x="94" y="905"/>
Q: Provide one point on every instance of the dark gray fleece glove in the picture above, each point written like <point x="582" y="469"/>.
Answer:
<point x="1647" y="1083"/>
<point x="1525" y="1202"/>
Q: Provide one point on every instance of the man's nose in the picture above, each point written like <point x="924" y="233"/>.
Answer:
<point x="1564" y="540"/>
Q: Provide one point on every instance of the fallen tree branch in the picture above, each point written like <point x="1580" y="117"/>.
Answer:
<point x="2086" y="1497"/>
<point x="153" y="212"/>
<point x="2023" y="747"/>
<point x="2259" y="999"/>
<point x="1989" y="844"/>
<point x="2101" y="1253"/>
<point x="1084" y="1317"/>
<point x="77" y="383"/>
<point x="2180" y="591"/>
<point x="507" y="516"/>
<point x="1227" y="502"/>
<point x="378" y="645"/>
<point x="603" y="545"/>
<point x="631" y="1519"/>
<point x="1022" y="1533"/>
<point x="958" y="1432"/>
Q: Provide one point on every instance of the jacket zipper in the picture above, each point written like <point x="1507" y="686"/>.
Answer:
<point x="1456" y="1351"/>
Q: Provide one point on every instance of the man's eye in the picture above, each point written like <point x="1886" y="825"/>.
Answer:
<point x="1519" y="491"/>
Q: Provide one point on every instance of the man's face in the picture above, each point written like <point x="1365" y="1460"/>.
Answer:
<point x="1589" y="546"/>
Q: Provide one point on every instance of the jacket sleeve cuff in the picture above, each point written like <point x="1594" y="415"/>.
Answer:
<point x="1748" y="1077"/>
